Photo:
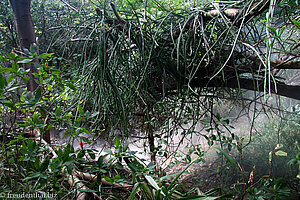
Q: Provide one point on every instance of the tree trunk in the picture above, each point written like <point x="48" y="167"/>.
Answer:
<point x="25" y="29"/>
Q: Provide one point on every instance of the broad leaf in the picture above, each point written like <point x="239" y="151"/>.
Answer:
<point x="25" y="61"/>
<point x="3" y="82"/>
<point x="38" y="94"/>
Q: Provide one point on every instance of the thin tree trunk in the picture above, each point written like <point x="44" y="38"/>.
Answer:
<point x="151" y="141"/>
<point x="25" y="29"/>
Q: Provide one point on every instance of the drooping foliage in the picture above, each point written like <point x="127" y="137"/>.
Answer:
<point x="132" y="67"/>
<point x="137" y="56"/>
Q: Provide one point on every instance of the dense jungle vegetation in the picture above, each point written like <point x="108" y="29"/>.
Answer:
<point x="154" y="99"/>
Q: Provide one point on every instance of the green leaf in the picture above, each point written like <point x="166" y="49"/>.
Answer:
<point x="5" y="70"/>
<point x="273" y="30"/>
<point x="188" y="157"/>
<point x="118" y="143"/>
<point x="26" y="51"/>
<point x="35" y="175"/>
<point x="3" y="82"/>
<point x="25" y="79"/>
<point x="3" y="58"/>
<point x="183" y="171"/>
<point x="33" y="48"/>
<point x="44" y="164"/>
<point x="10" y="78"/>
<point x="168" y="176"/>
<point x="11" y="56"/>
<point x="100" y="161"/>
<point x="297" y="24"/>
<point x="94" y="114"/>
<point x="108" y="179"/>
<point x="199" y="197"/>
<point x="34" y="117"/>
<point x="15" y="67"/>
<point x="165" y="191"/>
<point x="230" y="160"/>
<point x="91" y="154"/>
<point x="278" y="146"/>
<point x="280" y="153"/>
<point x="108" y="151"/>
<point x="146" y="189"/>
<point x="58" y="111"/>
<point x="81" y="153"/>
<point x="43" y="111"/>
<point x="263" y="21"/>
<point x="229" y="146"/>
<point x="218" y="116"/>
<point x="45" y="55"/>
<point x="49" y="126"/>
<point x="80" y="109"/>
<point x="134" y="191"/>
<point x="86" y="190"/>
<point x="12" y="142"/>
<point x="38" y="94"/>
<point x="125" y="146"/>
<point x="70" y="85"/>
<point x="117" y="177"/>
<point x="60" y="154"/>
<point x="8" y="104"/>
<point x="281" y="31"/>
<point x="152" y="182"/>
<point x="21" y="123"/>
<point x="151" y="166"/>
<point x="157" y="194"/>
<point x="25" y="61"/>
<point x="132" y="167"/>
<point x="119" y="165"/>
<point x="270" y="156"/>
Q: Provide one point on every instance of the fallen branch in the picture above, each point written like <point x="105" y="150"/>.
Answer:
<point x="37" y="136"/>
<point x="75" y="182"/>
<point x="285" y="64"/>
<point x="238" y="14"/>
<point x="74" y="179"/>
<point x="92" y="177"/>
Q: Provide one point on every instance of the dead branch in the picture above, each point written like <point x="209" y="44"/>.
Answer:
<point x="37" y="136"/>
<point x="231" y="13"/>
<point x="67" y="4"/>
<point x="238" y="14"/>
<point x="92" y="177"/>
<point x="277" y="64"/>
<point x="117" y="14"/>
<point x="74" y="178"/>
<point x="75" y="182"/>
<point x="256" y="9"/>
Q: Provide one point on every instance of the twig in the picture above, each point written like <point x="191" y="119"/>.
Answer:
<point x="70" y="6"/>
<point x="117" y="14"/>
